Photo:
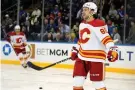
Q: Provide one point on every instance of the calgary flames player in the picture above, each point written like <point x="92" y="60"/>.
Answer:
<point x="18" y="41"/>
<point x="94" y="45"/>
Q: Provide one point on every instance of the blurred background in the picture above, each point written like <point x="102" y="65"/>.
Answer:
<point x="58" y="20"/>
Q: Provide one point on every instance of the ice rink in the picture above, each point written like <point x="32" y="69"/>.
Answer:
<point x="14" y="77"/>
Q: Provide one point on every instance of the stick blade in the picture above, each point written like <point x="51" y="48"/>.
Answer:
<point x="33" y="66"/>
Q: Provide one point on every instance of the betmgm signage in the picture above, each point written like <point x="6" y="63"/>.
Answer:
<point x="51" y="52"/>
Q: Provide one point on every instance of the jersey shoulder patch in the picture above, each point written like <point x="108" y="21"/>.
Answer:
<point x="97" y="23"/>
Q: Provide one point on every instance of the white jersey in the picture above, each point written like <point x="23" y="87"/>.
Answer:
<point x="18" y="40"/>
<point x="94" y="40"/>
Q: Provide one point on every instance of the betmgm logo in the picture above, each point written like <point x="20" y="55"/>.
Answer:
<point x="6" y="49"/>
<point x="52" y="52"/>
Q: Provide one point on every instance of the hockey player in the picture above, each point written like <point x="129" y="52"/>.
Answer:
<point x="94" y="46"/>
<point x="18" y="41"/>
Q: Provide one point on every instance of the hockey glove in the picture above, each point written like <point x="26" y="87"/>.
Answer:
<point x="74" y="53"/>
<point x="113" y="54"/>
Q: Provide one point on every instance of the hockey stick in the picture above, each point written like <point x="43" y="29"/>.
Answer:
<point x="33" y="66"/>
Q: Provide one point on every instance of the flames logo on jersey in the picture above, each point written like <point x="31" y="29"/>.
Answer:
<point x="84" y="35"/>
<point x="19" y="40"/>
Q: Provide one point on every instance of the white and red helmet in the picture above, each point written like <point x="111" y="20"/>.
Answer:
<point x="17" y="28"/>
<point x="91" y="6"/>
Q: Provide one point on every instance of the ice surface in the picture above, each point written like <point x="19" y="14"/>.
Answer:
<point x="15" y="77"/>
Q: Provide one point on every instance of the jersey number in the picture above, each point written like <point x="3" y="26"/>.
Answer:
<point x="103" y="30"/>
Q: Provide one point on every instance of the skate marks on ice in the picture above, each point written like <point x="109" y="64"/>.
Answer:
<point x="18" y="78"/>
